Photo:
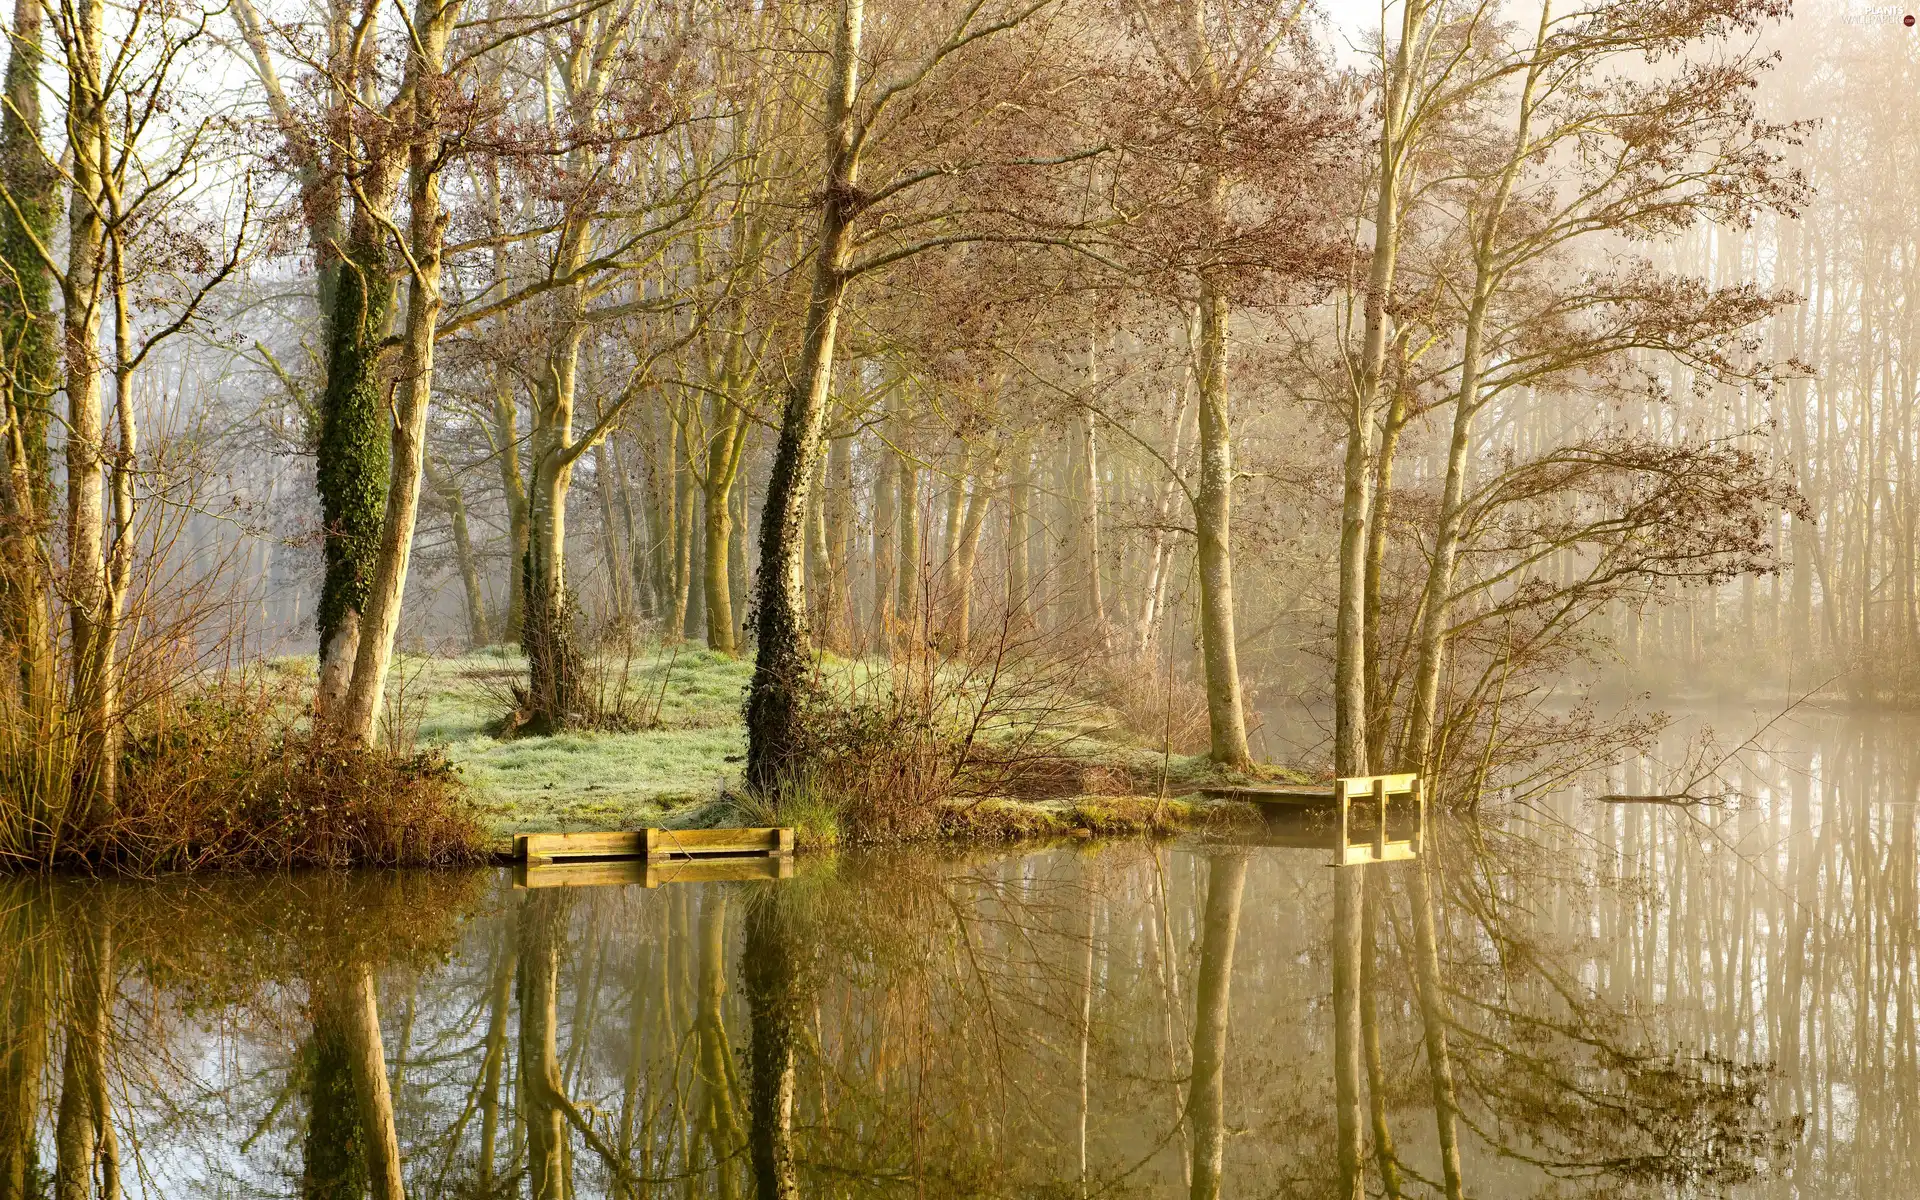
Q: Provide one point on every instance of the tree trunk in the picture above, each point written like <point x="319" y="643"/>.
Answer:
<point x="494" y="1060"/>
<point x="513" y="484"/>
<point x="1020" y="535"/>
<point x="367" y="1060"/>
<point x="835" y="595"/>
<point x="737" y="570"/>
<point x="636" y="526"/>
<point x="86" y="584"/>
<point x="955" y="511"/>
<point x="1379" y="699"/>
<point x="682" y="545"/>
<point x="777" y="695"/>
<point x="883" y="556"/>
<point x="433" y="25"/>
<point x="1356" y="500"/>
<point x="29" y="348"/>
<point x="724" y="454"/>
<point x="1212" y="518"/>
<point x="334" y="1155"/>
<point x="1159" y="561"/>
<point x="547" y="635"/>
<point x="1087" y="491"/>
<point x="351" y="462"/>
<point x="1206" y="1097"/>
<point x="1436" y="604"/>
<point x="447" y="491"/>
<point x="714" y="1102"/>
<point x="966" y="558"/>
<point x="906" y="599"/>
<point x="619" y="593"/>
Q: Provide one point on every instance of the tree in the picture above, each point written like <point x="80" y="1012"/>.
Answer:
<point x="1658" y="155"/>
<point x="859" y="232"/>
<point x="1228" y="191"/>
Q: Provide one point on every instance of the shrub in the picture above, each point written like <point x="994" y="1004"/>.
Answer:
<point x="229" y="775"/>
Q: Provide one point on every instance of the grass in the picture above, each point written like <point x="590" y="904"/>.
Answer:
<point x="582" y="779"/>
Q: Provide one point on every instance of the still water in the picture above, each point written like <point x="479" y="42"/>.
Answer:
<point x="1634" y="999"/>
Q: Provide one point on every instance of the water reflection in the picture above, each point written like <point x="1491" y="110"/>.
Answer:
<point x="1588" y="999"/>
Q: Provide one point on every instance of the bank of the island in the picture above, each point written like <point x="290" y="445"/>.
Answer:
<point x="673" y="755"/>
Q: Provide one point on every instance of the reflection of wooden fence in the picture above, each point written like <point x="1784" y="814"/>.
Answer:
<point x="618" y="872"/>
<point x="652" y="844"/>
<point x="1390" y="820"/>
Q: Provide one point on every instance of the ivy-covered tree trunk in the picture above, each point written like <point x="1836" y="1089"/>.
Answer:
<point x="353" y="453"/>
<point x="777" y="697"/>
<point x="434" y="21"/>
<point x="547" y="627"/>
<point x="29" y="373"/>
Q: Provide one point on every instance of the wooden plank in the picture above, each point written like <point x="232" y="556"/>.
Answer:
<point x="620" y="844"/>
<point x="678" y="843"/>
<point x="629" y="872"/>
<point x="1361" y="787"/>
<point x="1291" y="795"/>
<point x="650" y="843"/>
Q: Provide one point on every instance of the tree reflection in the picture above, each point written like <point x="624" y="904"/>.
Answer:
<point x="1207" y="1093"/>
<point x="775" y="963"/>
<point x="1123" y="1020"/>
<point x="1345" y="941"/>
<point x="86" y="1149"/>
<point x="335" y="1161"/>
<point x="1434" y="1022"/>
<point x="540" y="933"/>
<point x="24" y="928"/>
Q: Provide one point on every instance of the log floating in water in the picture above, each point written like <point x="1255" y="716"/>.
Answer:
<point x="651" y="844"/>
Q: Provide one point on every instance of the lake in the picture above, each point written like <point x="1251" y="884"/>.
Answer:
<point x="1635" y="999"/>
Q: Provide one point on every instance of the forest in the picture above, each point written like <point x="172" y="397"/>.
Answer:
<point x="983" y="401"/>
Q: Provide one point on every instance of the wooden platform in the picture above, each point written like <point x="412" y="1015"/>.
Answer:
<point x="1391" y="822"/>
<point x="1297" y="795"/>
<point x="652" y="873"/>
<point x="535" y="849"/>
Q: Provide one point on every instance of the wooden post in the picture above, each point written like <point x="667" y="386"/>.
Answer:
<point x="1380" y="818"/>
